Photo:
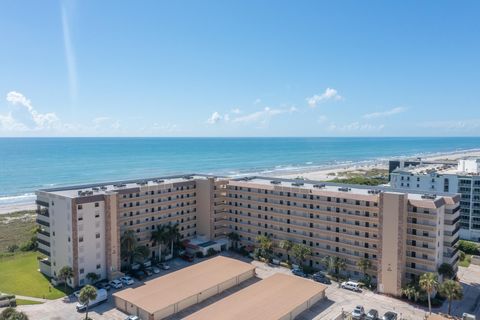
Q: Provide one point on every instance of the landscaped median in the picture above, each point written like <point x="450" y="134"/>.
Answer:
<point x="19" y="275"/>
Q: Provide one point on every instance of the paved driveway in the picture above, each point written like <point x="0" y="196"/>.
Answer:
<point x="337" y="300"/>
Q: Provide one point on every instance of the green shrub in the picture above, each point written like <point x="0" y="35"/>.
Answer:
<point x="199" y="254"/>
<point x="211" y="252"/>
<point x="12" y="248"/>
<point x="468" y="247"/>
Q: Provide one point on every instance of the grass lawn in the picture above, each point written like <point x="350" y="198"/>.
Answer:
<point x="465" y="263"/>
<point x="19" y="275"/>
<point x="22" y="302"/>
<point x="16" y="228"/>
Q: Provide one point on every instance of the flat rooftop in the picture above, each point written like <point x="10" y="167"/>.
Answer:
<point x="272" y="298"/>
<point x="358" y="192"/>
<point x="114" y="186"/>
<point x="164" y="291"/>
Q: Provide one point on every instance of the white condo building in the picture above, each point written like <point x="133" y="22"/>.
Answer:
<point x="462" y="178"/>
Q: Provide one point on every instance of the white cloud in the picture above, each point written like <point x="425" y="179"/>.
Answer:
<point x="355" y="126"/>
<point x="329" y="94"/>
<point x="69" y="54"/>
<point x="214" y="118"/>
<point x="103" y="123"/>
<point x="8" y="123"/>
<point x="262" y="116"/>
<point x="322" y="119"/>
<point x="41" y="120"/>
<point x="453" y="125"/>
<point x="384" y="114"/>
<point x="236" y="111"/>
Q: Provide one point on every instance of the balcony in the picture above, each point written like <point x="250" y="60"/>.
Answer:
<point x="45" y="252"/>
<point x="43" y="223"/>
<point x="42" y="203"/>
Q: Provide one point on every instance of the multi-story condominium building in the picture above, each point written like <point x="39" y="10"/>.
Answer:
<point x="402" y="233"/>
<point x="462" y="177"/>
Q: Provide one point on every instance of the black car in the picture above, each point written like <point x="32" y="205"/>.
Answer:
<point x="389" y="316"/>
<point x="319" y="277"/>
<point x="103" y="285"/>
<point x="139" y="275"/>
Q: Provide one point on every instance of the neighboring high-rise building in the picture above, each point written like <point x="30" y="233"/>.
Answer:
<point x="462" y="177"/>
<point x="403" y="234"/>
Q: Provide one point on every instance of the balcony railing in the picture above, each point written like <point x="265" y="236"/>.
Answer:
<point x="43" y="223"/>
<point x="45" y="252"/>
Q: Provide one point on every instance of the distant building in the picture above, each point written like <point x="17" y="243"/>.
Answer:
<point x="462" y="177"/>
<point x="402" y="233"/>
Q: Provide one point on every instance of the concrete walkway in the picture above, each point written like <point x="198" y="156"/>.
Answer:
<point x="31" y="298"/>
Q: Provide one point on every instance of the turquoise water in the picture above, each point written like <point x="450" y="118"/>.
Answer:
<point x="27" y="164"/>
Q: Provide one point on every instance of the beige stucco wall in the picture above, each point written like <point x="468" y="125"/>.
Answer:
<point x="393" y="230"/>
<point x="112" y="243"/>
<point x="205" y="207"/>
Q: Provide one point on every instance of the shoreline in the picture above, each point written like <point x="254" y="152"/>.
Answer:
<point x="322" y="173"/>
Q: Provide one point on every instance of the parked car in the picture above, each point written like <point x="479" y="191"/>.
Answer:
<point x="117" y="284"/>
<point x="390" y="316"/>
<point x="358" y="313"/>
<point x="299" y="272"/>
<point x="132" y="318"/>
<point x="156" y="270"/>
<point x="103" y="285"/>
<point x="372" y="315"/>
<point x="127" y="280"/>
<point x="468" y="316"/>
<point x="187" y="257"/>
<point x="320" y="277"/>
<point x="351" y="285"/>
<point x="164" y="266"/>
<point x="148" y="271"/>
<point x="102" y="296"/>
<point x="139" y="275"/>
<point x="77" y="294"/>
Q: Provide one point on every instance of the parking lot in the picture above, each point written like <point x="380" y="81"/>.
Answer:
<point x="337" y="299"/>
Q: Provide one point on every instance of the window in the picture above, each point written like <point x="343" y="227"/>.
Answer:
<point x="97" y="204"/>
<point x="82" y="271"/>
<point x="80" y="239"/>
<point x="80" y="207"/>
<point x="97" y="235"/>
<point x="98" y="266"/>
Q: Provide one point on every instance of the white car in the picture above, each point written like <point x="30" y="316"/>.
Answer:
<point x="350" y="285"/>
<point x="117" y="284"/>
<point x="132" y="318"/>
<point x="156" y="270"/>
<point x="127" y="280"/>
<point x="164" y="266"/>
<point x="358" y="313"/>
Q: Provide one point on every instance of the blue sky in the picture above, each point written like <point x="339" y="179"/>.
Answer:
<point x="239" y="68"/>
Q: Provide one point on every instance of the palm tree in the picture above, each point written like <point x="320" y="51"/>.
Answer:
<point x="92" y="277"/>
<point x="128" y="243"/>
<point x="340" y="265"/>
<point x="452" y="290"/>
<point x="173" y="236"/>
<point x="446" y="270"/>
<point x="64" y="274"/>
<point x="159" y="237"/>
<point x="411" y="292"/>
<point x="329" y="263"/>
<point x="300" y="252"/>
<point x="429" y="283"/>
<point x="286" y="245"/>
<point x="87" y="294"/>
<point x="266" y="246"/>
<point x="364" y="264"/>
<point x="234" y="238"/>
<point x="11" y="314"/>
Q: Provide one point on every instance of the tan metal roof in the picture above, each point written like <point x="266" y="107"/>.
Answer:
<point x="271" y="298"/>
<point x="164" y="291"/>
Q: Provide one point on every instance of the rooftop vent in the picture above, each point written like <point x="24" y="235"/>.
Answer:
<point x="121" y="185"/>
<point x="158" y="180"/>
<point x="275" y="182"/>
<point x="142" y="183"/>
<point x="103" y="187"/>
<point x="429" y="196"/>
<point x="96" y="189"/>
<point x="344" y="189"/>
<point x="297" y="184"/>
<point x="319" y="186"/>
<point x="374" y="191"/>
<point x="187" y="177"/>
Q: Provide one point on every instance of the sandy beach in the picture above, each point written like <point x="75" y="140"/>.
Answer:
<point x="321" y="174"/>
<point x="329" y="173"/>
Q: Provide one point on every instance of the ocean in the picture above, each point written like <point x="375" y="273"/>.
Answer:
<point x="28" y="164"/>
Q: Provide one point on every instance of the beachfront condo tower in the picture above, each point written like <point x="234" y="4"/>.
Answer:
<point x="462" y="177"/>
<point x="403" y="234"/>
